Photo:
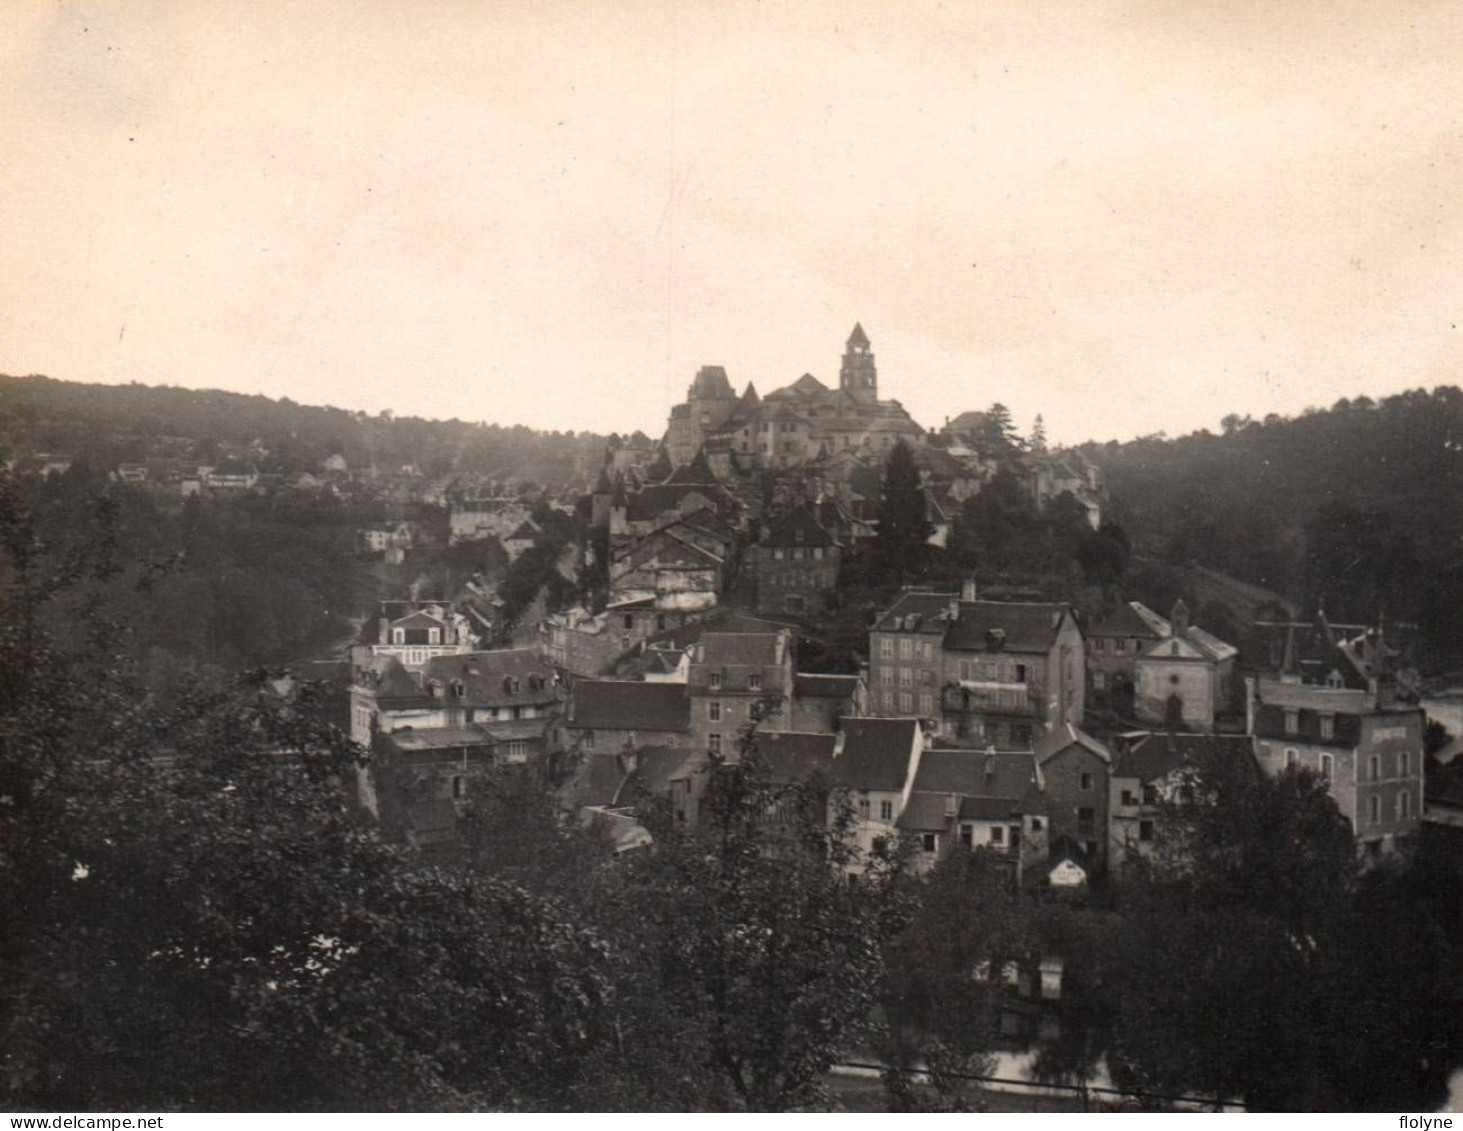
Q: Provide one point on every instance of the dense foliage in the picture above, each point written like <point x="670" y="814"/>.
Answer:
<point x="1354" y="508"/>
<point x="108" y="424"/>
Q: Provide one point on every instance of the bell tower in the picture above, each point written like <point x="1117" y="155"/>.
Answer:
<point x="858" y="377"/>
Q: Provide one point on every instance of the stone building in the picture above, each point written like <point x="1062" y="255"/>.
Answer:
<point x="1187" y="678"/>
<point x="795" y="565"/>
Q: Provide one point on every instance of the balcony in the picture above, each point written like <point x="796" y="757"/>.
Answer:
<point x="997" y="698"/>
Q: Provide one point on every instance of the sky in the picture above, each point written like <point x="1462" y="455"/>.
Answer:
<point x="1128" y="217"/>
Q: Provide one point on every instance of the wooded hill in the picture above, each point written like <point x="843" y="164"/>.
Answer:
<point x="109" y="424"/>
<point x="1357" y="508"/>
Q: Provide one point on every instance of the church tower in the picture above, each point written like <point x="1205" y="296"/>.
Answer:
<point x="858" y="377"/>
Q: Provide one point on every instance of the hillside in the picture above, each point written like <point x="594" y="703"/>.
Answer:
<point x="1357" y="508"/>
<point x="109" y="424"/>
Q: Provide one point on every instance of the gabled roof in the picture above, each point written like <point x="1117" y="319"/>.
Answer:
<point x="750" y="649"/>
<point x="975" y="773"/>
<point x="657" y="766"/>
<point x="796" y="527"/>
<point x="623" y="704"/>
<point x="792" y="756"/>
<point x="483" y="674"/>
<point x="811" y="685"/>
<point x="876" y="753"/>
<point x="1027" y="626"/>
<point x="1133" y="619"/>
<point x="419" y="619"/>
<point x="697" y="472"/>
<point x="1155" y="756"/>
<point x="1060" y="738"/>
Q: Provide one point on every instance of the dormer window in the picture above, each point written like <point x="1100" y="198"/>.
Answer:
<point x="459" y="689"/>
<point x="398" y="636"/>
<point x="714" y="681"/>
<point x="1292" y="722"/>
<point x="434" y="636"/>
<point x="754" y="683"/>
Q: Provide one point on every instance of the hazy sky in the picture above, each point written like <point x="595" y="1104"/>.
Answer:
<point x="1125" y="216"/>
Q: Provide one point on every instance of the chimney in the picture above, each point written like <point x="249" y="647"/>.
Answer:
<point x="1180" y="617"/>
<point x="385" y="628"/>
<point x="952" y="806"/>
<point x="967" y="589"/>
<point x="995" y="639"/>
<point x="954" y="609"/>
<point x="629" y="758"/>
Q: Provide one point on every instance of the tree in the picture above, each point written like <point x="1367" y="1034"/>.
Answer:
<point x="198" y="921"/>
<point x="1236" y="938"/>
<point x="748" y="945"/>
<point x="901" y="544"/>
<point x="1037" y="443"/>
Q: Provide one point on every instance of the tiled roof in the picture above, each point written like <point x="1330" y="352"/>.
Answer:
<point x="809" y="685"/>
<point x="1027" y="627"/>
<point x="794" y="756"/>
<point x="1059" y="738"/>
<point x="1158" y="755"/>
<point x="1133" y="619"/>
<point x="925" y="812"/>
<point x="595" y="781"/>
<point x="975" y="773"/>
<point x="483" y="675"/>
<point x="738" y="648"/>
<point x="796" y="527"/>
<point x="657" y="766"/>
<point x="1216" y="649"/>
<point x="622" y="704"/>
<point x="876" y="753"/>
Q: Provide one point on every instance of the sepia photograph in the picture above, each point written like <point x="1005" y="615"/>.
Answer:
<point x="725" y="556"/>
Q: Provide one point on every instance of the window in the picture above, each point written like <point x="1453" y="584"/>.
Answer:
<point x="1404" y="763"/>
<point x="886" y="648"/>
<point x="887" y="698"/>
<point x="1085" y="816"/>
<point x="1021" y="673"/>
<point x="906" y="648"/>
<point x="1087" y="781"/>
<point x="967" y="836"/>
<point x="906" y="702"/>
<point x="906" y="677"/>
<point x="929" y="842"/>
<point x="1097" y="645"/>
<point x="886" y="810"/>
<point x="515" y="751"/>
<point x="629" y="620"/>
<point x="398" y="636"/>
<point x="434" y="636"/>
<point x="1327" y="767"/>
<point x="713" y="711"/>
<point x="1404" y="805"/>
<point x="1099" y="681"/>
<point x="1292" y="722"/>
<point x="1328" y="726"/>
<point x="777" y="555"/>
<point x="1036" y="824"/>
<point x="1291" y="756"/>
<point x="1376" y="809"/>
<point x="1150" y="795"/>
<point x="713" y="743"/>
<point x="998" y="834"/>
<point x="588" y="740"/>
<point x="459" y="785"/>
<point x="927" y="651"/>
<point x="926" y="704"/>
<point x="624" y="644"/>
<point x="714" y="681"/>
<point x="863" y="807"/>
<point x="1119" y="645"/>
<point x="754" y="682"/>
<point x="817" y="553"/>
<point x="1374" y="768"/>
<point x="1145" y="830"/>
<point x="1128" y="798"/>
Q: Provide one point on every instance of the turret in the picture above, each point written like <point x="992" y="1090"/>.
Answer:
<point x="858" y="377"/>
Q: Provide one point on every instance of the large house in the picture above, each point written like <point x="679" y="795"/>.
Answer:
<point x="613" y="714"/>
<point x="730" y="674"/>
<point x="874" y="776"/>
<point x="984" y="672"/>
<point x="795" y="565"/>
<point x="792" y="425"/>
<point x="1346" y="707"/>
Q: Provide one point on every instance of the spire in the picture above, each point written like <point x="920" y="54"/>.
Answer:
<point x="858" y="337"/>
